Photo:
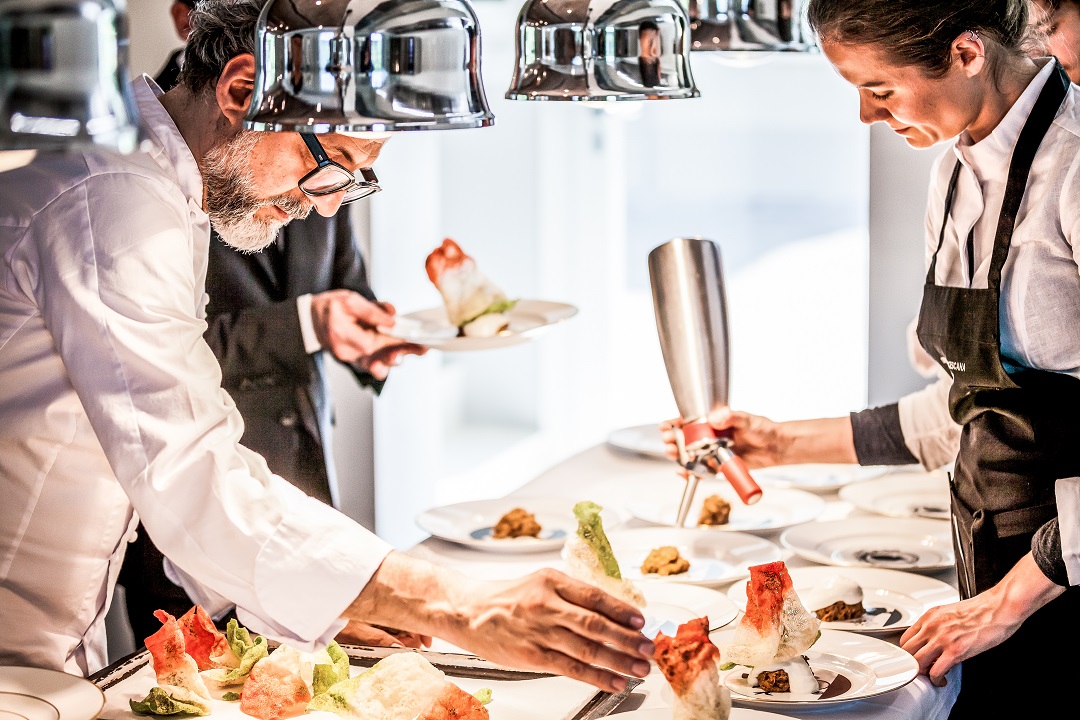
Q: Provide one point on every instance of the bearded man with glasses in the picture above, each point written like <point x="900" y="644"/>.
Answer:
<point x="273" y="317"/>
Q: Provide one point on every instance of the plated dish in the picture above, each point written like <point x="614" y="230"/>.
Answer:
<point x="816" y="477"/>
<point x="914" y="544"/>
<point x="848" y="666"/>
<point x="516" y="695"/>
<point x="892" y="599"/>
<point x="902" y="494"/>
<point x="777" y="509"/>
<point x="643" y="440"/>
<point x="37" y="694"/>
<point x="473" y="523"/>
<point x="668" y="606"/>
<point x="736" y="714"/>
<point x="432" y="327"/>
<point x="714" y="558"/>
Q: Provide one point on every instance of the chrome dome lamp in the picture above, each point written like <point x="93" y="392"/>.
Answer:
<point x="602" y="50"/>
<point x="750" y="25"/>
<point x="367" y="66"/>
<point x="63" y="76"/>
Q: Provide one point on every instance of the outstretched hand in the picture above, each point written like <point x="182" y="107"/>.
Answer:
<point x="354" y="329"/>
<point x="946" y="635"/>
<point x="550" y="622"/>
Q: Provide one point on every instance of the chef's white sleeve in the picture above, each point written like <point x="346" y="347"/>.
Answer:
<point x="122" y="311"/>
<point x="930" y="433"/>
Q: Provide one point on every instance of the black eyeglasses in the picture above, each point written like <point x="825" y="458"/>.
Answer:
<point x="330" y="177"/>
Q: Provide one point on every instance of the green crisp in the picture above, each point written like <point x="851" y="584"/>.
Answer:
<point x="591" y="530"/>
<point x="160" y="702"/>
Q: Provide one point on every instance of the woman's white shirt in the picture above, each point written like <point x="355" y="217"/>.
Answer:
<point x="1040" y="284"/>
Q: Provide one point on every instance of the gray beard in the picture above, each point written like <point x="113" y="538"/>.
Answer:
<point x="231" y="202"/>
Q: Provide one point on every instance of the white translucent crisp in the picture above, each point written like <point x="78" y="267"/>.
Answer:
<point x="787" y="636"/>
<point x="399" y="687"/>
<point x="467" y="292"/>
<point x="582" y="564"/>
<point x="835" y="588"/>
<point x="487" y="325"/>
<point x="707" y="699"/>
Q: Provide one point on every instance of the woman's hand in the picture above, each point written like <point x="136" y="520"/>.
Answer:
<point x="946" y="635"/>
<point x="760" y="442"/>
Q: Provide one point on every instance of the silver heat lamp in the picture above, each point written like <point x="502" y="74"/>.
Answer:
<point x="602" y="50"/>
<point x="750" y="26"/>
<point x="368" y="66"/>
<point x="63" y="76"/>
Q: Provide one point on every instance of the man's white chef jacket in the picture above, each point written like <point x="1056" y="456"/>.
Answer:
<point x="111" y="400"/>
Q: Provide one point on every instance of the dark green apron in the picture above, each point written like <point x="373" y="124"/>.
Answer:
<point x="1019" y="436"/>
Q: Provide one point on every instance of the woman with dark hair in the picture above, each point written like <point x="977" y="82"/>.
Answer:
<point x="1000" y="313"/>
<point x="1059" y="20"/>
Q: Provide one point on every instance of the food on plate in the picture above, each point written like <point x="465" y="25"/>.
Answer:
<point x="775" y="626"/>
<point x="691" y="665"/>
<point x="794" y="676"/>
<point x="837" y="598"/>
<point x="402" y="686"/>
<point x="516" y="523"/>
<point x="232" y="668"/>
<point x="715" y="511"/>
<point x="202" y="640"/>
<point x="665" y="560"/>
<point x="275" y="688"/>
<point x="476" y="306"/>
<point x="589" y="557"/>
<point x="179" y="682"/>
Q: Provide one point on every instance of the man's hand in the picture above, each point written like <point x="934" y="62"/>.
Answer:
<point x="545" y="621"/>
<point x="351" y="327"/>
<point x="949" y="634"/>
<point x="358" y="633"/>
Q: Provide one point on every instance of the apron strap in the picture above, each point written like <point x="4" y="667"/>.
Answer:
<point x="1041" y="118"/>
<point x="931" y="274"/>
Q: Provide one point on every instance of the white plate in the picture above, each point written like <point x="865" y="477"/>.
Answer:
<point x="902" y="494"/>
<point x="715" y="558"/>
<point x="817" y="477"/>
<point x="432" y="328"/>
<point x="893" y="599"/>
<point x="897" y="543"/>
<point x="849" y="666"/>
<point x="665" y="714"/>
<point x="470" y="523"/>
<point x="669" y="606"/>
<point x="37" y="694"/>
<point x="777" y="509"/>
<point x="642" y="440"/>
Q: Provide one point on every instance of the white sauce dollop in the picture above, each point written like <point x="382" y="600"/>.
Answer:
<point x="835" y="588"/>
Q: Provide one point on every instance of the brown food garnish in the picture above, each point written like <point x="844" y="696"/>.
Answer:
<point x="774" y="681"/>
<point x="840" y="610"/>
<point x="715" y="511"/>
<point x="516" y="523"/>
<point x="665" y="560"/>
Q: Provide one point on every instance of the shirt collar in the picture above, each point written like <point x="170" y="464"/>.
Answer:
<point x="997" y="147"/>
<point x="164" y="141"/>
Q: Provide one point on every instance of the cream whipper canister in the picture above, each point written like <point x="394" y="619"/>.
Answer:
<point x="691" y="318"/>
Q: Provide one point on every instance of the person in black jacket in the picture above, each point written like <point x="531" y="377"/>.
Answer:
<point x="270" y="315"/>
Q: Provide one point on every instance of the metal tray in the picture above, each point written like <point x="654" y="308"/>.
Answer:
<point x="599" y="705"/>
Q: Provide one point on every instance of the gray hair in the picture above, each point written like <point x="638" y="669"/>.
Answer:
<point x="220" y="30"/>
<point x="920" y="33"/>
